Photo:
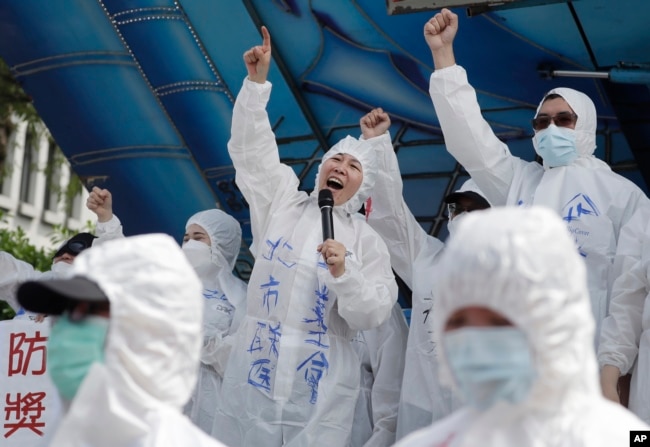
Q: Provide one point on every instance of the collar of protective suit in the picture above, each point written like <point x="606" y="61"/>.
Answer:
<point x="152" y="347"/>
<point x="522" y="263"/>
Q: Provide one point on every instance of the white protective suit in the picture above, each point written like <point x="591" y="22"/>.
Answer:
<point x="593" y="201"/>
<point x="381" y="351"/>
<point x="521" y="263"/>
<point x="413" y="255"/>
<point x="223" y="309"/>
<point x="109" y="230"/>
<point x="14" y="271"/>
<point x="293" y="377"/>
<point x="625" y="336"/>
<point x="152" y="350"/>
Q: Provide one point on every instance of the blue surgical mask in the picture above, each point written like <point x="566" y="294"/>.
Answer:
<point x="556" y="145"/>
<point x="490" y="364"/>
<point x="71" y="350"/>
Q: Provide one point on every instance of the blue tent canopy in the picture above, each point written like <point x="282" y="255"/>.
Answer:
<point x="139" y="93"/>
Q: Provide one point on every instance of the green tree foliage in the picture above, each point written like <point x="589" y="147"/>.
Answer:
<point x="13" y="101"/>
<point x="12" y="97"/>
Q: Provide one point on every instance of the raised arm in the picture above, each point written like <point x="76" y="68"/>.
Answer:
<point x="408" y="243"/>
<point x="261" y="177"/>
<point x="108" y="227"/>
<point x="100" y="202"/>
<point x="374" y="123"/>
<point x="468" y="137"/>
<point x="439" y="33"/>
<point x="258" y="59"/>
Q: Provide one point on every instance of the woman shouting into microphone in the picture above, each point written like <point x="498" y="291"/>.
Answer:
<point x="293" y="376"/>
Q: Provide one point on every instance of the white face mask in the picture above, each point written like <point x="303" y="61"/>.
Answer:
<point x="61" y="269"/>
<point x="452" y="225"/>
<point x="198" y="254"/>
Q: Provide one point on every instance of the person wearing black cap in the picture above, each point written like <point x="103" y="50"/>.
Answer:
<point x="14" y="271"/>
<point x="124" y="348"/>
<point x="414" y="255"/>
<point x="467" y="199"/>
<point x="71" y="248"/>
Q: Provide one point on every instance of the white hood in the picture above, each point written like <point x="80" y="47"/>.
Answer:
<point x="364" y="151"/>
<point x="470" y="185"/>
<point x="154" y="337"/>
<point x="522" y="263"/>
<point x="585" y="128"/>
<point x="225" y="235"/>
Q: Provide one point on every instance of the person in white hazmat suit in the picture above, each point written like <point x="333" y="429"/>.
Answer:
<point x="516" y="335"/>
<point x="381" y="352"/>
<point x="594" y="201"/>
<point x="414" y="254"/>
<point x="126" y="345"/>
<point x="211" y="244"/>
<point x="14" y="271"/>
<point x="293" y="377"/>
<point x="625" y="337"/>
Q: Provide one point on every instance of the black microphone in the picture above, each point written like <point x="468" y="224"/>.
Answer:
<point x="326" y="203"/>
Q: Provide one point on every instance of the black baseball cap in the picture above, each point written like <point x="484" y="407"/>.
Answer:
<point x="76" y="244"/>
<point x="479" y="201"/>
<point x="53" y="296"/>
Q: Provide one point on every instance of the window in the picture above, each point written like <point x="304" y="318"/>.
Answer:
<point x="53" y="175"/>
<point x="30" y="167"/>
<point x="77" y="206"/>
<point x="6" y="165"/>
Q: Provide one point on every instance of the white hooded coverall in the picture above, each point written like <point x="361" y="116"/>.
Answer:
<point x="625" y="336"/>
<point x="152" y="349"/>
<point x="594" y="201"/>
<point x="224" y="306"/>
<point x="293" y="377"/>
<point x="413" y="255"/>
<point x="12" y="273"/>
<point x="521" y="263"/>
<point x="381" y="351"/>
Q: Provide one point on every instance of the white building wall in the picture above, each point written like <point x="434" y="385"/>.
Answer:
<point x="26" y="203"/>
